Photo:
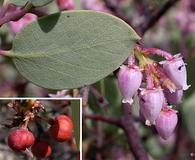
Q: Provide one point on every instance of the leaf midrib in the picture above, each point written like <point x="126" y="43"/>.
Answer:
<point x="36" y="54"/>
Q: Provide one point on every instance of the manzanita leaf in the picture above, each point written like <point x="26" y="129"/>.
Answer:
<point x="36" y="3"/>
<point x="72" y="49"/>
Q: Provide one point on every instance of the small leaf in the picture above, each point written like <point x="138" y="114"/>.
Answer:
<point x="75" y="106"/>
<point x="72" y="49"/>
<point x="36" y="3"/>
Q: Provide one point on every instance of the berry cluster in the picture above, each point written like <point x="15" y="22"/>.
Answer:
<point x="61" y="129"/>
<point x="160" y="85"/>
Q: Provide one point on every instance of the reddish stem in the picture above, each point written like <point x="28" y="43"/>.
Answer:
<point x="109" y="120"/>
<point x="159" y="52"/>
<point x="4" y="52"/>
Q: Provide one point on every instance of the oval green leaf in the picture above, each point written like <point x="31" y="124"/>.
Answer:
<point x="36" y="3"/>
<point x="72" y="49"/>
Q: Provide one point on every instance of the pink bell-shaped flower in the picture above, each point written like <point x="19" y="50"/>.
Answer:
<point x="129" y="81"/>
<point x="176" y="71"/>
<point x="65" y="4"/>
<point x="151" y="102"/>
<point x="166" y="122"/>
<point x="174" y="97"/>
<point x="16" y="26"/>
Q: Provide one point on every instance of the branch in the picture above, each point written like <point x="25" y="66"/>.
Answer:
<point x="131" y="132"/>
<point x="127" y="123"/>
<point x="99" y="140"/>
<point x="154" y="19"/>
<point x="97" y="117"/>
<point x="101" y="100"/>
<point x="117" y="12"/>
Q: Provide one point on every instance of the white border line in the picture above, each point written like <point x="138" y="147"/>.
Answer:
<point x="48" y="98"/>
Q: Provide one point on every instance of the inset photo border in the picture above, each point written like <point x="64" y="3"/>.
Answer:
<point x="34" y="128"/>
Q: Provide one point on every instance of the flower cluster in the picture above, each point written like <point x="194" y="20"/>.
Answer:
<point x="159" y="85"/>
<point x="61" y="128"/>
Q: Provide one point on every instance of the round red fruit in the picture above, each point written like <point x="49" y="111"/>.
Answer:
<point x="41" y="149"/>
<point x="62" y="128"/>
<point x="20" y="139"/>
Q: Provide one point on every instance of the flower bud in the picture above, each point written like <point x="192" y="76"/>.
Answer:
<point x="65" y="4"/>
<point x="20" y="139"/>
<point x="166" y="123"/>
<point x="174" y="97"/>
<point x="151" y="102"/>
<point x="16" y="26"/>
<point x="176" y="71"/>
<point x="129" y="80"/>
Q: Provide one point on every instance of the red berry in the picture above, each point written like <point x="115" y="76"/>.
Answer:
<point x="62" y="128"/>
<point x="20" y="139"/>
<point x="41" y="149"/>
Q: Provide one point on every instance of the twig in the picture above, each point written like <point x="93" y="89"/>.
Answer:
<point x="154" y="19"/>
<point x="109" y="120"/>
<point x="127" y="123"/>
<point x="98" y="140"/>
<point x="131" y="132"/>
<point x="101" y="100"/>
